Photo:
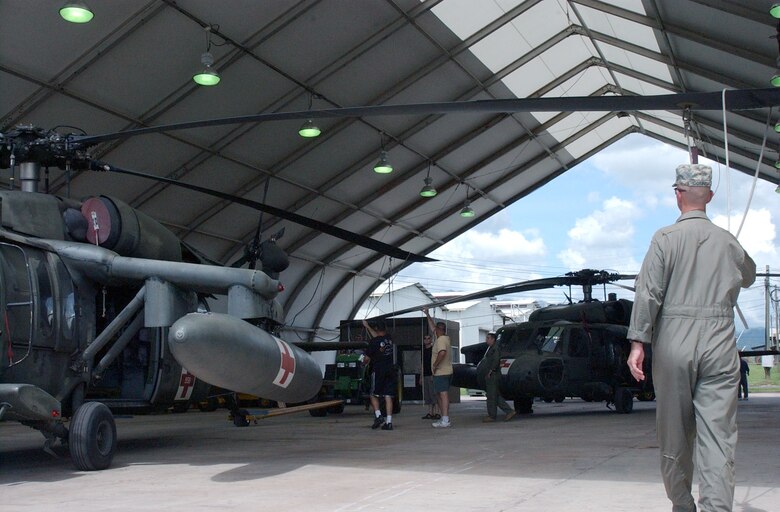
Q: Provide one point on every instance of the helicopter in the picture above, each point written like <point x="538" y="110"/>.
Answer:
<point x="104" y="309"/>
<point x="566" y="350"/>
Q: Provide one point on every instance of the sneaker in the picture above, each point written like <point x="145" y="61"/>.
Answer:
<point x="387" y="426"/>
<point x="510" y="415"/>
<point x="436" y="417"/>
<point x="428" y="416"/>
<point x="488" y="419"/>
<point x="441" y="424"/>
<point x="378" y="423"/>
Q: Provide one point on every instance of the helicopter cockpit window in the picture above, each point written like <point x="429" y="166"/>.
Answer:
<point x="549" y="338"/>
<point x="45" y="314"/>
<point x="578" y="343"/>
<point x="16" y="294"/>
<point x="510" y="341"/>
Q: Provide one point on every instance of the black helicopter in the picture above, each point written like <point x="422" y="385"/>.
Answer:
<point x="104" y="309"/>
<point x="569" y="350"/>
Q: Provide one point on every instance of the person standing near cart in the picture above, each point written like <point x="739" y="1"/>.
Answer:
<point x="380" y="355"/>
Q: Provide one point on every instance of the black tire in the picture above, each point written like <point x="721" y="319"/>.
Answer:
<point x="319" y="413"/>
<point x="209" y="405"/>
<point x="180" y="407"/>
<point x="624" y="400"/>
<point x="92" y="437"/>
<point x="646" y="396"/>
<point x="239" y="418"/>
<point x="559" y="399"/>
<point x="336" y="409"/>
<point x="524" y="405"/>
<point x="547" y="399"/>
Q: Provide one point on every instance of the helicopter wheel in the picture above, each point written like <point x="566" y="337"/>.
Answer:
<point x="239" y="418"/>
<point x="559" y="399"/>
<point x="547" y="399"/>
<point x="524" y="405"/>
<point x="92" y="437"/>
<point x="624" y="400"/>
<point x="646" y="396"/>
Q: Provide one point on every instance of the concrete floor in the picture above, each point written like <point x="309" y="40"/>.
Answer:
<point x="573" y="456"/>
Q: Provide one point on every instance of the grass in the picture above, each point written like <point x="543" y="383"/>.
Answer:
<point x="758" y="384"/>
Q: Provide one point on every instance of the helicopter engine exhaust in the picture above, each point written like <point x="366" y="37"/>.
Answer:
<point x="228" y="352"/>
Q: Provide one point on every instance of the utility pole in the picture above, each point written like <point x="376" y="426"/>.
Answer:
<point x="767" y="323"/>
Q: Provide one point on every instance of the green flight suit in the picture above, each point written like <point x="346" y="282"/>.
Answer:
<point x="491" y="373"/>
<point x="684" y="306"/>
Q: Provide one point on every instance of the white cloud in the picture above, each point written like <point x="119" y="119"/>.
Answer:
<point x="604" y="239"/>
<point x="480" y="259"/>
<point x="506" y="245"/>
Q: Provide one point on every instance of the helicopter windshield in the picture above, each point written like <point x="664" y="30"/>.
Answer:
<point x="549" y="338"/>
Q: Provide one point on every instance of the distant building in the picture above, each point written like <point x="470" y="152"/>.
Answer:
<point x="476" y="317"/>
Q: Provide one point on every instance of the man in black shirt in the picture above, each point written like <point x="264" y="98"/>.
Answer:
<point x="380" y="355"/>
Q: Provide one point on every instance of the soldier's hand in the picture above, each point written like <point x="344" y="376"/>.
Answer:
<point x="635" y="360"/>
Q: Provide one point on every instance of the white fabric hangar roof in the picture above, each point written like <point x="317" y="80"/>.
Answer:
<point x="132" y="65"/>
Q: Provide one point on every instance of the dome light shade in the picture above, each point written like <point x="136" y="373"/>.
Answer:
<point x="467" y="210"/>
<point x="208" y="75"/>
<point x="309" y="130"/>
<point x="383" y="164"/>
<point x="775" y="11"/>
<point x="428" y="190"/>
<point x="76" y="12"/>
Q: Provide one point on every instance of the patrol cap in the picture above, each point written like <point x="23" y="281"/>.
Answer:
<point x="693" y="175"/>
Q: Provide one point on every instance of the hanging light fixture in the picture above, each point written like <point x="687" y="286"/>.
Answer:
<point x="76" y="12"/>
<point x="428" y="190"/>
<point x="467" y="210"/>
<point x="775" y="11"/>
<point x="207" y="76"/>
<point x="309" y="130"/>
<point x="383" y="165"/>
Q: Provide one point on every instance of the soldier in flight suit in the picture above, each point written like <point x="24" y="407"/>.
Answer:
<point x="684" y="306"/>
<point x="490" y="370"/>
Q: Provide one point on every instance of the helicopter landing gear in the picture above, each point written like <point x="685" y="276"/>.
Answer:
<point x="624" y="400"/>
<point x="524" y="405"/>
<point x="92" y="437"/>
<point x="646" y="396"/>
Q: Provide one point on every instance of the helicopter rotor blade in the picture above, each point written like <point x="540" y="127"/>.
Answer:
<point x="737" y="99"/>
<point x="355" y="238"/>
<point x="581" y="277"/>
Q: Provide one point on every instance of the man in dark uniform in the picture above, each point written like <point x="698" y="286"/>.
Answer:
<point x="489" y="370"/>
<point x="744" y="369"/>
<point x="380" y="355"/>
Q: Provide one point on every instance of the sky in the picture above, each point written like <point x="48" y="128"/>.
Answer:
<point x="601" y="214"/>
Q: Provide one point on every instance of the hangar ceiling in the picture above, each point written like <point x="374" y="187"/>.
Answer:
<point x="132" y="65"/>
